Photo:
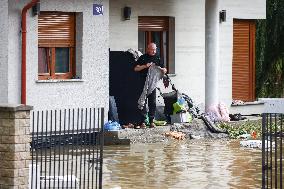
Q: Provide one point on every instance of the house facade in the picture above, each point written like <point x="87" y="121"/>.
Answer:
<point x="190" y="74"/>
<point x="88" y="49"/>
<point x="68" y="43"/>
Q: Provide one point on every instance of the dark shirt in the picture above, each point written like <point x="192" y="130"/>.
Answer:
<point x="144" y="59"/>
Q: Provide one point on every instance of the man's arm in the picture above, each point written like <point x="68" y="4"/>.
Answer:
<point x="138" y="67"/>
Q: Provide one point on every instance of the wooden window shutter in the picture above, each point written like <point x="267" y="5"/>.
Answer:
<point x="243" y="69"/>
<point x="171" y="43"/>
<point x="56" y="29"/>
<point x="153" y="23"/>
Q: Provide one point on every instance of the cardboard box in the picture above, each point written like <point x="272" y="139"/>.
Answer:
<point x="180" y="118"/>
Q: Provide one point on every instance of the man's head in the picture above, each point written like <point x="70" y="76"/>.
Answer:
<point x="151" y="49"/>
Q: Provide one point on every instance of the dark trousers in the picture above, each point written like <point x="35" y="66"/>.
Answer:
<point x="152" y="107"/>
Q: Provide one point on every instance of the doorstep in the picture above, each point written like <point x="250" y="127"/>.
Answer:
<point x="248" y="108"/>
<point x="128" y="136"/>
<point x="112" y="138"/>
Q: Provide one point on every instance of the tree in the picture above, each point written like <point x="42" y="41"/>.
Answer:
<point x="270" y="51"/>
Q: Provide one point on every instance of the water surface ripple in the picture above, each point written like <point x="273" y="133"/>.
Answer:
<point x="194" y="164"/>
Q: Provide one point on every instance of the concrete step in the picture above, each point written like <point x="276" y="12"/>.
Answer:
<point x="248" y="108"/>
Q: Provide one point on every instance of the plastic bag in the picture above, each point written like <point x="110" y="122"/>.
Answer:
<point x="112" y="126"/>
<point x="180" y="106"/>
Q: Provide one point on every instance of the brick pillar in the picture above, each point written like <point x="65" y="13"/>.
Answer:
<point x="14" y="146"/>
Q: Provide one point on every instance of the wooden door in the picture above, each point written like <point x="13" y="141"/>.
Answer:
<point x="160" y="30"/>
<point x="243" y="60"/>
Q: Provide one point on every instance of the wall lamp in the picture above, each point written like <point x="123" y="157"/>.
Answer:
<point x="222" y="15"/>
<point x="36" y="9"/>
<point x="127" y="13"/>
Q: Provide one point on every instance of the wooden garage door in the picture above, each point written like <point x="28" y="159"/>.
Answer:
<point x="244" y="60"/>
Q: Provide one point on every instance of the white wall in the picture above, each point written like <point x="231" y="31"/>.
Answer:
<point x="93" y="89"/>
<point x="110" y="30"/>
<point x="4" y="51"/>
<point x="244" y="9"/>
<point x="241" y="9"/>
<point x="190" y="37"/>
<point x="189" y="40"/>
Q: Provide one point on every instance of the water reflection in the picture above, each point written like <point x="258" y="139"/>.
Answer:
<point x="180" y="164"/>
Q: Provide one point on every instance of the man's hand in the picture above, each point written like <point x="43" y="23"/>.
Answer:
<point x="148" y="64"/>
<point x="164" y="70"/>
<point x="138" y="68"/>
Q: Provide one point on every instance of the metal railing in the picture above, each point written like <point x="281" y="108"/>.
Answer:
<point x="272" y="150"/>
<point x="67" y="148"/>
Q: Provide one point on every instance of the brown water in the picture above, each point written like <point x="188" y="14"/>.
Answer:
<point x="191" y="164"/>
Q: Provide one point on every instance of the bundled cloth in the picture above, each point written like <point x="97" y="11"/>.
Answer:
<point x="238" y="102"/>
<point x="153" y="76"/>
<point x="218" y="113"/>
<point x="135" y="53"/>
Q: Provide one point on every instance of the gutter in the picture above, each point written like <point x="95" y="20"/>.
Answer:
<point x="24" y="41"/>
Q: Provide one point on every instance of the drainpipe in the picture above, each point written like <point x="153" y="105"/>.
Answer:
<point x="24" y="41"/>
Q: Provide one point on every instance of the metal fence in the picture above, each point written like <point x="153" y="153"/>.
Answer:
<point x="67" y="148"/>
<point x="272" y="151"/>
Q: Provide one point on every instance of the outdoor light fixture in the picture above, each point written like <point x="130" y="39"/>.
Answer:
<point x="127" y="13"/>
<point x="222" y="16"/>
<point x="36" y="9"/>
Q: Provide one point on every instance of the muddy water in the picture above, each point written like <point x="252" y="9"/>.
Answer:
<point x="190" y="164"/>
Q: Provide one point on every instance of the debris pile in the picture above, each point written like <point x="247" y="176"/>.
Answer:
<point x="175" y="135"/>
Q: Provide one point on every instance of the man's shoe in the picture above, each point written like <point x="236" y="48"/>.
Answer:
<point x="152" y="125"/>
<point x="143" y="126"/>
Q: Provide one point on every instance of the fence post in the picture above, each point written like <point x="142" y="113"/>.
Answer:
<point x="14" y="146"/>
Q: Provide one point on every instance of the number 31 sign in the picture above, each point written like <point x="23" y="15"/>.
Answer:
<point x="98" y="9"/>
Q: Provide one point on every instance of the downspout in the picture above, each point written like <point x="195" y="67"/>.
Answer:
<point x="24" y="41"/>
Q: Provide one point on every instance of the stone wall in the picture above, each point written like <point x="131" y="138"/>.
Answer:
<point x="14" y="146"/>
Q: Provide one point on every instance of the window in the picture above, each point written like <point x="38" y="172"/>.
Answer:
<point x="56" y="45"/>
<point x="160" y="30"/>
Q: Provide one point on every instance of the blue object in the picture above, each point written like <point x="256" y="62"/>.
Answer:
<point x="181" y="101"/>
<point x="112" y="126"/>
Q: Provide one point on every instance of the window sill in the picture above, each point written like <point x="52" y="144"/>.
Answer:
<point x="59" y="80"/>
<point x="172" y="75"/>
<point x="249" y="103"/>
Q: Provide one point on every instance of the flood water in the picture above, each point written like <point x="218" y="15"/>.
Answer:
<point x="193" y="164"/>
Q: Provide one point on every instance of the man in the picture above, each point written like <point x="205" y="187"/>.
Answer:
<point x="142" y="66"/>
